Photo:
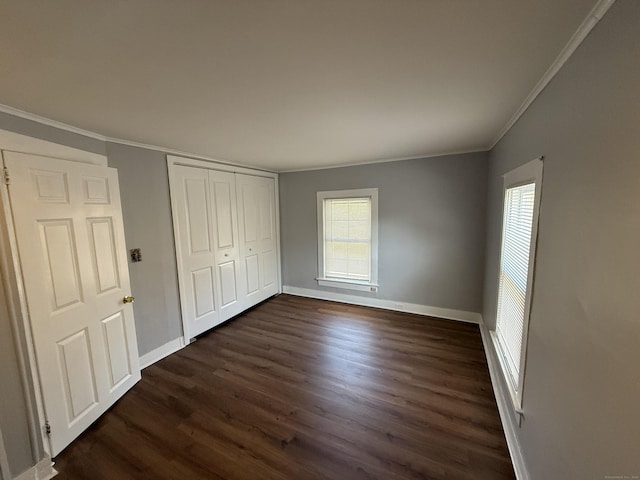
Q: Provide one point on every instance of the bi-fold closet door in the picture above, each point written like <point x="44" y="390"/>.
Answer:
<point x="258" y="245"/>
<point x="226" y="244"/>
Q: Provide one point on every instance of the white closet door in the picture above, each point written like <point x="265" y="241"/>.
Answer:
<point x="226" y="243"/>
<point x="231" y="291"/>
<point x="257" y="222"/>
<point x="70" y="236"/>
<point x="196" y="252"/>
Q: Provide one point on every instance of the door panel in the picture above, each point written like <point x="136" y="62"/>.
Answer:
<point x="250" y="212"/>
<point x="253" y="274"/>
<point x="266" y="212"/>
<point x="96" y="190"/>
<point x="203" y="292"/>
<point x="51" y="186"/>
<point x="269" y="268"/>
<point x="256" y="209"/>
<point x="197" y="209"/>
<point x="78" y="374"/>
<point x="70" y="237"/>
<point x="194" y="232"/>
<point x="227" y="252"/>
<point x="103" y="254"/>
<point x="117" y="354"/>
<point x="228" y="283"/>
<point x="61" y="262"/>
<point x="224" y="214"/>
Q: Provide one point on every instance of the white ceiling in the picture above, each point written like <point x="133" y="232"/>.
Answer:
<point x="284" y="84"/>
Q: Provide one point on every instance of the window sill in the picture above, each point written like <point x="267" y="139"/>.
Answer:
<point x="348" y="284"/>
<point x="515" y="398"/>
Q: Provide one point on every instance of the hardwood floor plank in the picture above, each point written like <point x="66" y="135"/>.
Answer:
<point x="298" y="388"/>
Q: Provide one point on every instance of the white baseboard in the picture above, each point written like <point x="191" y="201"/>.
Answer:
<point x="159" y="353"/>
<point x="43" y="470"/>
<point x="448" y="313"/>
<point x="503" y="399"/>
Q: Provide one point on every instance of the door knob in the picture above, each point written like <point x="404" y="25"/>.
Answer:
<point x="128" y="299"/>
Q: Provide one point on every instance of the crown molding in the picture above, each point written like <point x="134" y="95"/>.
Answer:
<point x="181" y="153"/>
<point x="70" y="128"/>
<point x="16" y="112"/>
<point x="592" y="19"/>
<point x="387" y="160"/>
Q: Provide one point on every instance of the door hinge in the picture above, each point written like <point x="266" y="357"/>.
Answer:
<point x="7" y="178"/>
<point x="47" y="428"/>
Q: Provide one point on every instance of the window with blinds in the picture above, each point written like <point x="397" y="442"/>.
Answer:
<point x="348" y="239"/>
<point x="519" y="231"/>
<point x="514" y="272"/>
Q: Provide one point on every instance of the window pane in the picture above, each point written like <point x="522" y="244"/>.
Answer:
<point x="359" y="210"/>
<point x="337" y="267"/>
<point x="514" y="270"/>
<point x="359" y="268"/>
<point x="359" y="251"/>
<point x="340" y="209"/>
<point x="347" y="238"/>
<point x="339" y="230"/>
<point x="359" y="230"/>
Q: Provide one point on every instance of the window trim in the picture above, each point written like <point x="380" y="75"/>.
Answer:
<point x="524" y="174"/>
<point x="346" y="283"/>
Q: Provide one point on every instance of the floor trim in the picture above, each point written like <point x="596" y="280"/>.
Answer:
<point x="43" y="470"/>
<point x="159" y="353"/>
<point x="448" y="313"/>
<point x="503" y="399"/>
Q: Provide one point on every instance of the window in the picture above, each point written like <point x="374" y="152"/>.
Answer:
<point x="517" y="255"/>
<point x="348" y="239"/>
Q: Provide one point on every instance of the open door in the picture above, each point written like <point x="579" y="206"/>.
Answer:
<point x="69" y="231"/>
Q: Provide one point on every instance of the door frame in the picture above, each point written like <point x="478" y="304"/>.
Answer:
<point x="172" y="162"/>
<point x="11" y="275"/>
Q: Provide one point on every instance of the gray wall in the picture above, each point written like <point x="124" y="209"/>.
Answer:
<point x="146" y="208"/>
<point x="13" y="413"/>
<point x="431" y="227"/>
<point x="582" y="385"/>
<point x="51" y="134"/>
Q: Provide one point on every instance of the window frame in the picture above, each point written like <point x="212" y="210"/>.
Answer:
<point x="348" y="283"/>
<point x="530" y="172"/>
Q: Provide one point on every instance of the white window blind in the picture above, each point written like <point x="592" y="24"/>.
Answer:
<point x="519" y="205"/>
<point x="347" y="238"/>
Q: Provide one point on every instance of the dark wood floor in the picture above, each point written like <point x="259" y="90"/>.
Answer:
<point x="306" y="389"/>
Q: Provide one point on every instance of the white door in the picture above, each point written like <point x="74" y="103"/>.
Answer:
<point x="257" y="221"/>
<point x="197" y="255"/>
<point x="70" y="237"/>
<point x="206" y="218"/>
<point x="227" y="252"/>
